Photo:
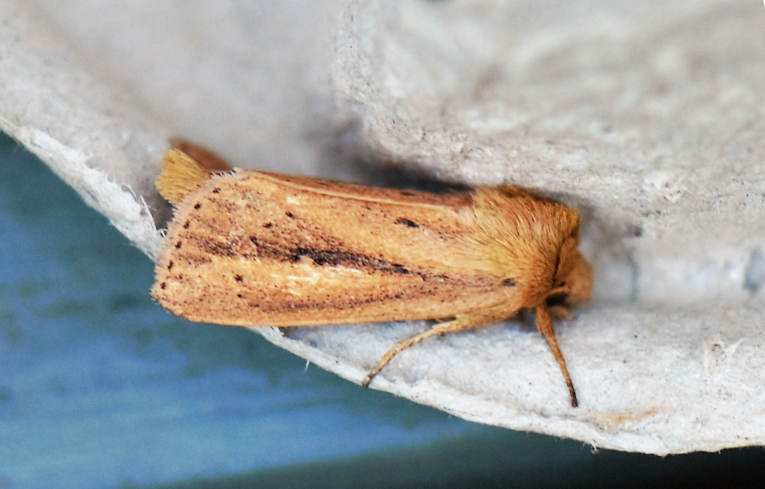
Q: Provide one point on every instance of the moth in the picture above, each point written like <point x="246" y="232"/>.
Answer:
<point x="252" y="248"/>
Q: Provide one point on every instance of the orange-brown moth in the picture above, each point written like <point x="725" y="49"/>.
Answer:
<point x="251" y="248"/>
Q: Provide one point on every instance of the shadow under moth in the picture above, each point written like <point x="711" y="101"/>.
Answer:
<point x="251" y="248"/>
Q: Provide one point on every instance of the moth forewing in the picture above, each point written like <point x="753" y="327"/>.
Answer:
<point x="249" y="249"/>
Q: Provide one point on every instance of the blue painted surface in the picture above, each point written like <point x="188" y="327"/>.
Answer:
<point x="100" y="388"/>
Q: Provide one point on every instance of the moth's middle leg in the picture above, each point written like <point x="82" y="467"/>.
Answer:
<point x="460" y="323"/>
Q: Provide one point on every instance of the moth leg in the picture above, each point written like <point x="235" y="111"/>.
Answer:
<point x="559" y="312"/>
<point x="545" y="327"/>
<point x="460" y="323"/>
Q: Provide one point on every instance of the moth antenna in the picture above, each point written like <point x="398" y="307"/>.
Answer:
<point x="545" y="327"/>
<point x="180" y="175"/>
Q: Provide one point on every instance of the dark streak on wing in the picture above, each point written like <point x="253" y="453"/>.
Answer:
<point x="268" y="250"/>
<point x="407" y="222"/>
<point x="348" y="258"/>
<point x="217" y="248"/>
<point x="194" y="259"/>
<point x="332" y="304"/>
<point x="332" y="258"/>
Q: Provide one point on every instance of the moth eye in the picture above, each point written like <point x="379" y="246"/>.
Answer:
<point x="561" y="284"/>
<point x="508" y="282"/>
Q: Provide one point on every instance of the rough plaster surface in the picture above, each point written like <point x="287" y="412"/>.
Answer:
<point x="650" y="120"/>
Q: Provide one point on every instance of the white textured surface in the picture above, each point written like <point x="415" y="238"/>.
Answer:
<point x="650" y="120"/>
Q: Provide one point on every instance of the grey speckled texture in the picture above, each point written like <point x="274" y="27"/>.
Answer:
<point x="650" y="120"/>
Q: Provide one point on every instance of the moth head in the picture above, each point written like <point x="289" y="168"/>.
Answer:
<point x="572" y="282"/>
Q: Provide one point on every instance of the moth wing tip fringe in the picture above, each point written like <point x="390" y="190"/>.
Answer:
<point x="208" y="159"/>
<point x="180" y="175"/>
